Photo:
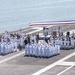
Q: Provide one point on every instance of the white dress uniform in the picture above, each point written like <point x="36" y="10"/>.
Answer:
<point x="56" y="41"/>
<point x="47" y="52"/>
<point x="6" y="51"/>
<point x="45" y="32"/>
<point x="44" y="55"/>
<point x="51" y="31"/>
<point x="18" y="41"/>
<point x="58" y="49"/>
<point x="39" y="48"/>
<point x="9" y="50"/>
<point x="2" y="48"/>
<point x="6" y="34"/>
<point x="2" y="40"/>
<point x="34" y="50"/>
<point x="36" y="53"/>
<point x="22" y="41"/>
<point x="52" y="41"/>
<point x="34" y="38"/>
<point x="72" y="42"/>
<point x="53" y="50"/>
<point x="12" y="46"/>
<point x="68" y="44"/>
<point x="28" y="50"/>
<point x="15" y="44"/>
<point x="31" y="38"/>
<point x="43" y="51"/>
<point x="49" y="48"/>
<point x="65" y="44"/>
<point x="19" y="32"/>
<point x="60" y="32"/>
<point x="61" y="43"/>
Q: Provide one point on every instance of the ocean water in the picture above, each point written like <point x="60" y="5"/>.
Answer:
<point x="16" y="14"/>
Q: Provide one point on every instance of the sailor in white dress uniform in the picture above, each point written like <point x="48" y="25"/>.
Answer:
<point x="50" y="50"/>
<point x="12" y="46"/>
<point x="65" y="43"/>
<point x="47" y="52"/>
<point x="6" y="34"/>
<point x="5" y="48"/>
<point x="68" y="42"/>
<point x="0" y="48"/>
<point x="36" y="52"/>
<point x="39" y="50"/>
<point x="26" y="50"/>
<point x="15" y="44"/>
<point x="72" y="42"/>
<point x="35" y="38"/>
<point x="22" y="41"/>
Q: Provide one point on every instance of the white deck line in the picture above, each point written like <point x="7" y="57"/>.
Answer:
<point x="54" y="64"/>
<point x="9" y="58"/>
<point x="67" y="63"/>
<point x="37" y="30"/>
<point x="34" y="31"/>
<point x="30" y="28"/>
<point x="66" y="70"/>
<point x="26" y="29"/>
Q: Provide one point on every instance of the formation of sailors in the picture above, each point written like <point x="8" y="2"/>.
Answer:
<point x="12" y="42"/>
<point x="44" y="49"/>
<point x="41" y="49"/>
<point x="64" y="43"/>
<point x="33" y="46"/>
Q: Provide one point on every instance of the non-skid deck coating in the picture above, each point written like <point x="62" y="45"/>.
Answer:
<point x="28" y="65"/>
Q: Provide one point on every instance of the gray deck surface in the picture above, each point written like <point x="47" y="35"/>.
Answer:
<point x="29" y="65"/>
